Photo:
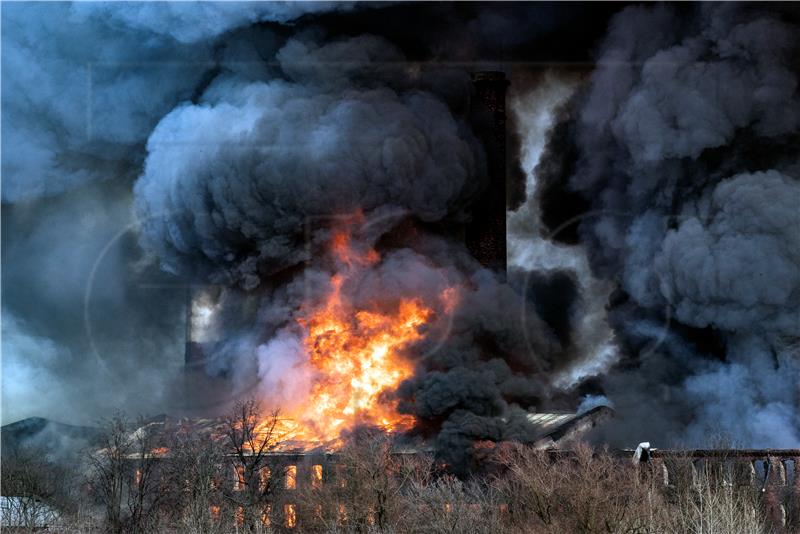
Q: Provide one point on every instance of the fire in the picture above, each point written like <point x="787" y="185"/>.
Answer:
<point x="357" y="355"/>
<point x="358" y="358"/>
<point x="159" y="451"/>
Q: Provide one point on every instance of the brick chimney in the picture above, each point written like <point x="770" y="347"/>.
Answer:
<point x="486" y="233"/>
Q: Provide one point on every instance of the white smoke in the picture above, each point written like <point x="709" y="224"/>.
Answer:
<point x="532" y="250"/>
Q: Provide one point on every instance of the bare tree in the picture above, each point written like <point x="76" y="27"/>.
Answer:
<point x="38" y="489"/>
<point x="108" y="470"/>
<point x="250" y="437"/>
<point x="192" y="477"/>
<point x="143" y="477"/>
<point x="714" y="497"/>
<point x="123" y="474"/>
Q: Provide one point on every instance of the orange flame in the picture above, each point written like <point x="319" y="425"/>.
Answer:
<point x="357" y="356"/>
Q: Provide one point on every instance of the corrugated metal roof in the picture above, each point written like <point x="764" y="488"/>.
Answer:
<point x="550" y="421"/>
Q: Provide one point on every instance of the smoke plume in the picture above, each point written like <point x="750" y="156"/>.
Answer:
<point x="690" y="195"/>
<point x="88" y="322"/>
<point x="653" y="250"/>
<point x="233" y="184"/>
<point x="255" y="177"/>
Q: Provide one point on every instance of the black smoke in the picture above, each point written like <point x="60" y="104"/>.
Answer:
<point x="94" y="94"/>
<point x="198" y="144"/>
<point x="233" y="184"/>
<point x="685" y="193"/>
<point x="252" y="179"/>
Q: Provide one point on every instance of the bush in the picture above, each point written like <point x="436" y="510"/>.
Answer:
<point x="368" y="488"/>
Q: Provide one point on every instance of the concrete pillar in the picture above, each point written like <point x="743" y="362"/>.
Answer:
<point x="660" y="471"/>
<point x="774" y="480"/>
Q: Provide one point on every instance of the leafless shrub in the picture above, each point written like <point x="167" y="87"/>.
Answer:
<point x="38" y="490"/>
<point x="448" y="505"/>
<point x="531" y="484"/>
<point x="583" y="492"/>
<point x="714" y="496"/>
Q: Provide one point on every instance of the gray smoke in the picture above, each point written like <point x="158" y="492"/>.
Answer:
<point x="150" y="146"/>
<point x="88" y="322"/>
<point x="685" y="136"/>
<point x="249" y="182"/>
<point x="244" y="183"/>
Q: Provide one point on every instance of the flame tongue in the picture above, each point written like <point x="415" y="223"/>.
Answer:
<point x="358" y="359"/>
<point x="357" y="356"/>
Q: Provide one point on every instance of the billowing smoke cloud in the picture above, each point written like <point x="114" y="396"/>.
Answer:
<point x="86" y="83"/>
<point x="231" y="154"/>
<point x="233" y="184"/>
<point x="683" y="137"/>
<point x="745" y="235"/>
<point x="251" y="180"/>
<point x="87" y="322"/>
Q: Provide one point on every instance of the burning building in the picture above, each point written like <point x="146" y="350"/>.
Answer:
<point x="354" y="352"/>
<point x="337" y="199"/>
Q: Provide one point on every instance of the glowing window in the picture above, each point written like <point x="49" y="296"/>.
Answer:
<point x="291" y="477"/>
<point x="316" y="476"/>
<point x="289" y="516"/>
<point x="263" y="479"/>
<point x="238" y="516"/>
<point x="214" y="511"/>
<point x="238" y="478"/>
<point x="266" y="512"/>
<point x="341" y="476"/>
